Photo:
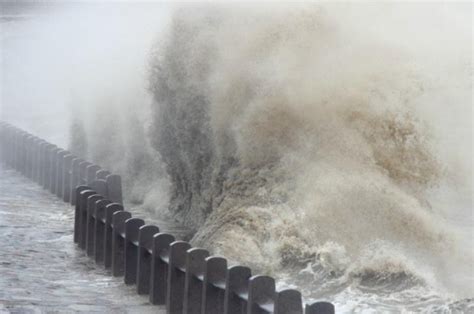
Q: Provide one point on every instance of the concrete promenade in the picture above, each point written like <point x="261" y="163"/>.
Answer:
<point x="41" y="270"/>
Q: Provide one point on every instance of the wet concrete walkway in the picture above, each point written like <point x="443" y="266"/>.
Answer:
<point x="41" y="270"/>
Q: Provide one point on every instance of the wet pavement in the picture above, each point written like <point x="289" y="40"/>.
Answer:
<point x="41" y="269"/>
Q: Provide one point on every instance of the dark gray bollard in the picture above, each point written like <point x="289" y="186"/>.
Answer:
<point x="108" y="237"/>
<point x="236" y="293"/>
<point x="77" y="210"/>
<point x="215" y="277"/>
<point x="132" y="229"/>
<point x="145" y="250"/>
<point x="90" y="223"/>
<point x="100" y="186"/>
<point x="288" y="301"/>
<point x="11" y="150"/>
<point x="102" y="174"/>
<point x="83" y="171"/>
<point x="79" y="219"/>
<point x="78" y="190"/>
<point x="159" y="267"/>
<point x="59" y="173"/>
<point x="99" y="230"/>
<point x="29" y="156"/>
<point x="53" y="170"/>
<point x="47" y="161"/>
<point x="18" y="150"/>
<point x="26" y="144"/>
<point x="118" y="242"/>
<point x="75" y="178"/>
<point x="176" y="276"/>
<point x="24" y="153"/>
<point x="38" y="162"/>
<point x="193" y="283"/>
<point x="41" y="162"/>
<point x="33" y="157"/>
<point x="67" y="172"/>
<point x="261" y="295"/>
<point x="114" y="188"/>
<point x="320" y="308"/>
<point x="91" y="173"/>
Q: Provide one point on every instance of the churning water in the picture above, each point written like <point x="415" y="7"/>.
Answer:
<point x="327" y="145"/>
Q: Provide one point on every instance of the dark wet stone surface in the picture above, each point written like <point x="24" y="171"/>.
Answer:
<point x="41" y="269"/>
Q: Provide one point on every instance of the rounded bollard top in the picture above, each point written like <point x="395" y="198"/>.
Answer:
<point x="161" y="245"/>
<point x="216" y="271"/>
<point x="196" y="262"/>
<point x="320" y="308"/>
<point x="118" y="221"/>
<point x="178" y="254"/>
<point x="132" y="226"/>
<point x="288" y="301"/>
<point x="111" y="209"/>
<point x="145" y="236"/>
<point x="261" y="289"/>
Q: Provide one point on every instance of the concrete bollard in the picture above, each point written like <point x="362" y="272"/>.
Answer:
<point x="24" y="154"/>
<point x="215" y="278"/>
<point x="261" y="295"/>
<point x="41" y="161"/>
<point x="89" y="225"/>
<point x="78" y="192"/>
<point x="36" y="159"/>
<point x="114" y="188"/>
<point x="145" y="251"/>
<point x="83" y="171"/>
<point x="11" y="148"/>
<point x="6" y="144"/>
<point x="53" y="169"/>
<point x="159" y="267"/>
<point x="27" y="162"/>
<point x="132" y="229"/>
<point x="193" y="283"/>
<point x="108" y="237"/>
<point x="118" y="242"/>
<point x="79" y="214"/>
<point x="67" y="172"/>
<point x="29" y="156"/>
<point x="288" y="301"/>
<point x="47" y="161"/>
<point x="100" y="186"/>
<point x="320" y="308"/>
<point x="91" y="173"/>
<point x="59" y="173"/>
<point x="18" y="149"/>
<point x="236" y="293"/>
<point x="176" y="276"/>
<point x="99" y="230"/>
<point x="75" y="178"/>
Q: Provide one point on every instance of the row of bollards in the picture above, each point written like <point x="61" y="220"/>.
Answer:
<point x="171" y="272"/>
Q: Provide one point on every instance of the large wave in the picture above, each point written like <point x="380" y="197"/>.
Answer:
<point x="291" y="138"/>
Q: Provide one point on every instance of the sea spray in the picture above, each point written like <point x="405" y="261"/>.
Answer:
<point x="284" y="130"/>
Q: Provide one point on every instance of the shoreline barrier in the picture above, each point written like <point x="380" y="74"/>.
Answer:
<point x="173" y="273"/>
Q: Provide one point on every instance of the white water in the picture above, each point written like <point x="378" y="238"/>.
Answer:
<point x="328" y="145"/>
